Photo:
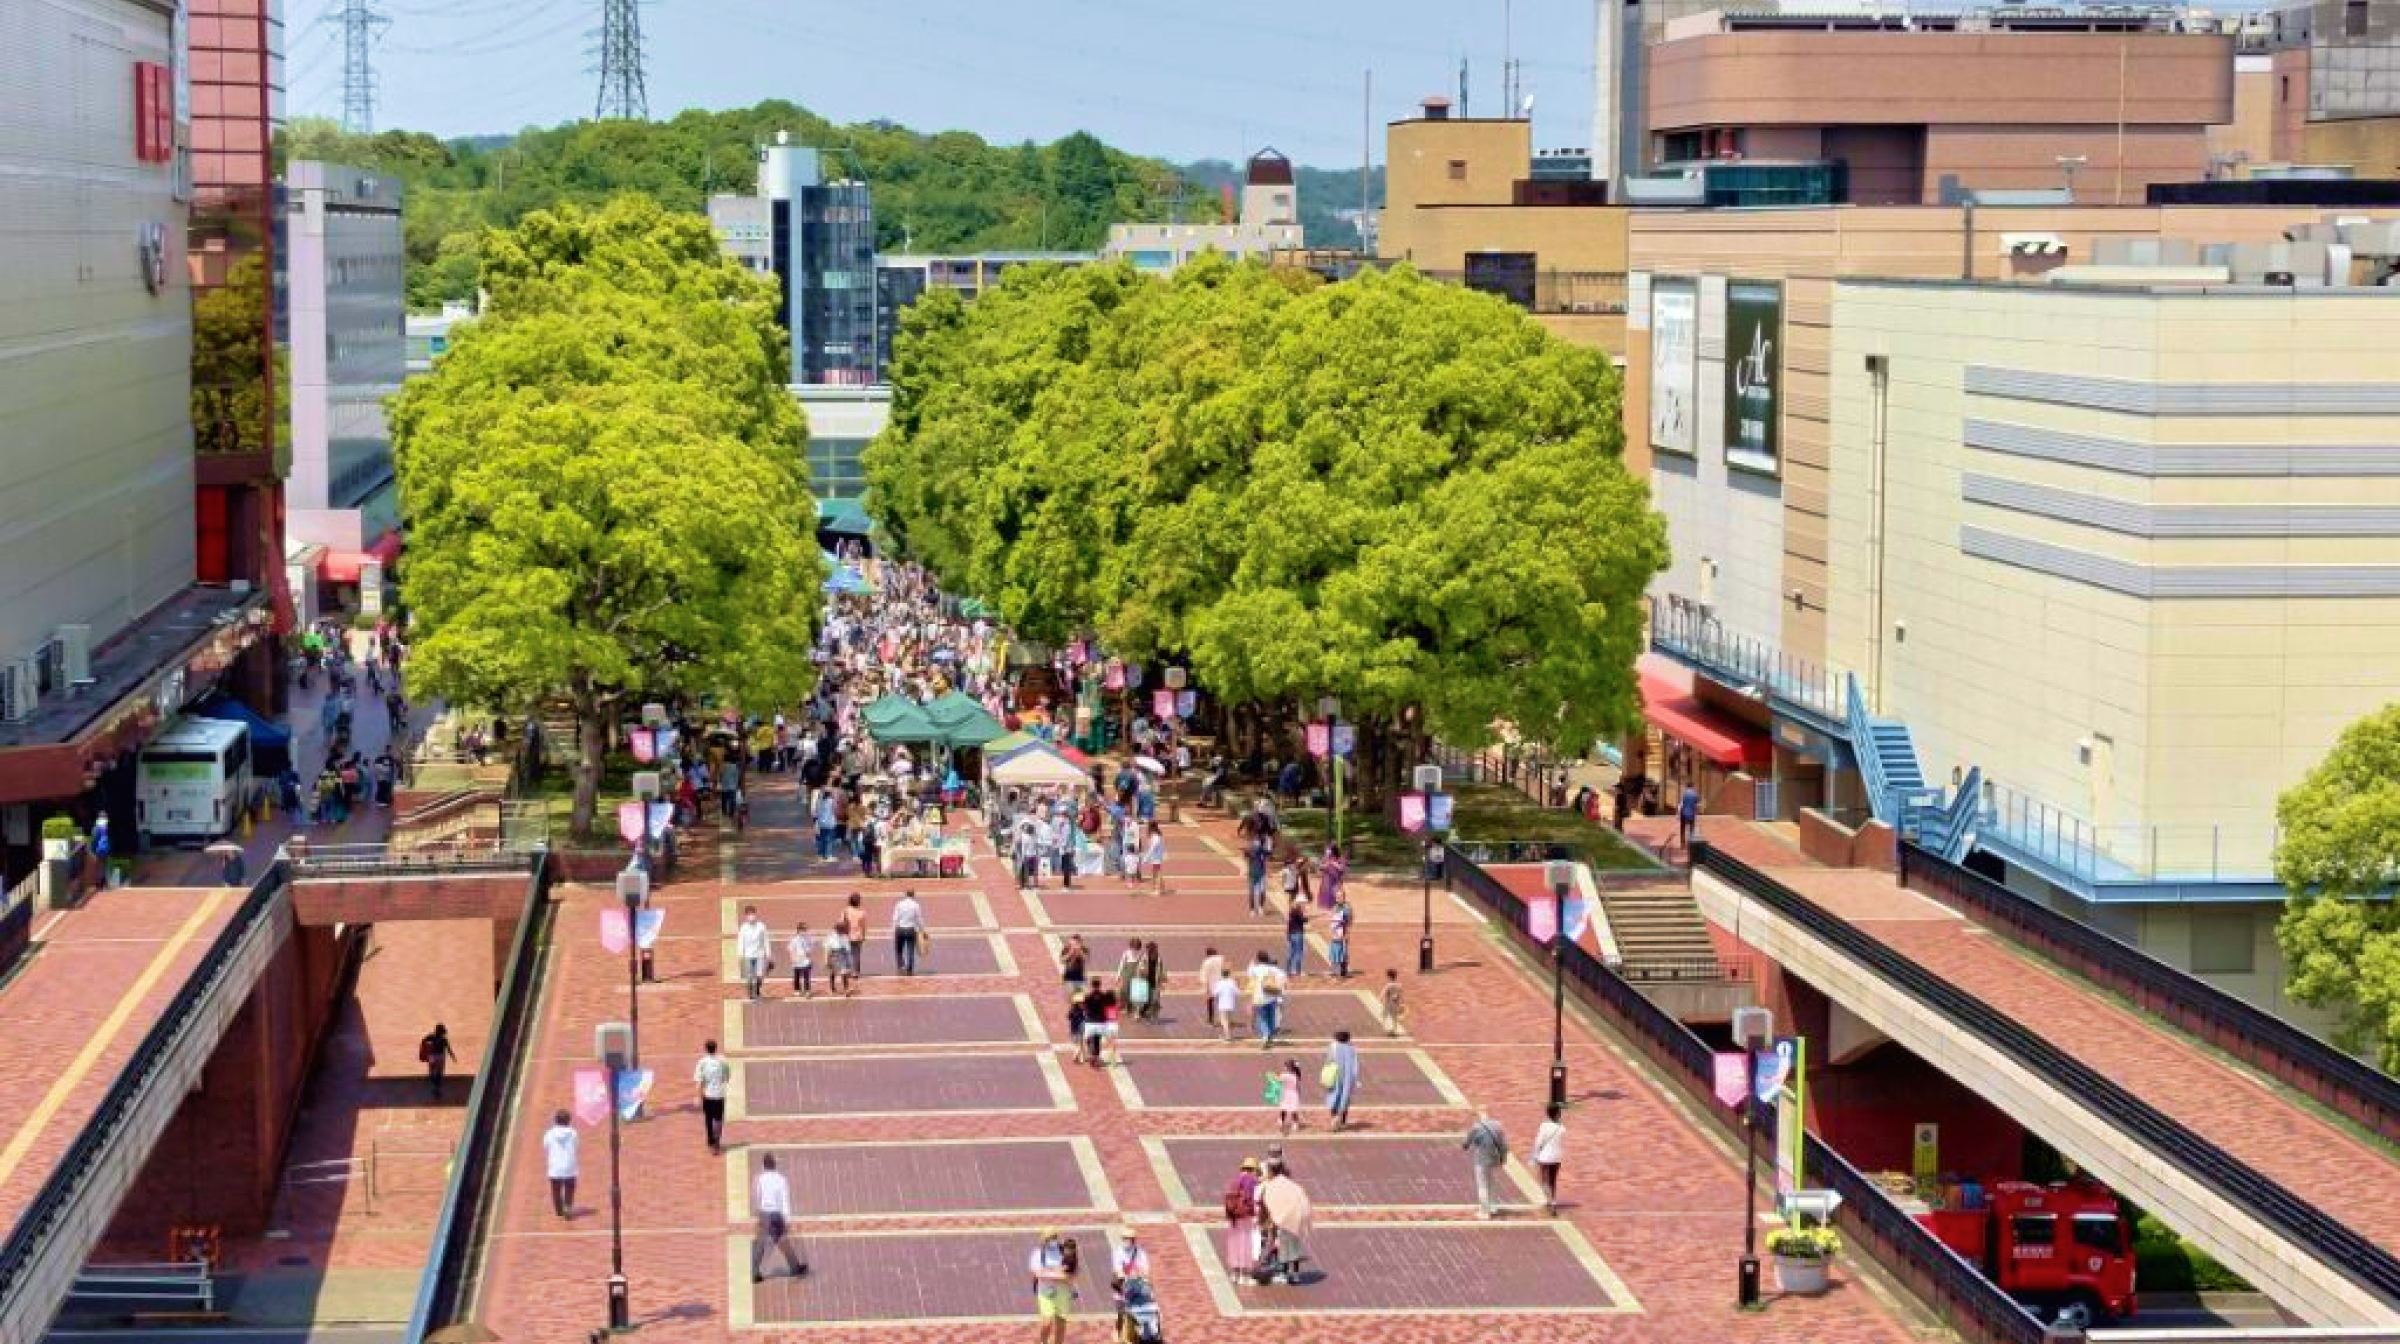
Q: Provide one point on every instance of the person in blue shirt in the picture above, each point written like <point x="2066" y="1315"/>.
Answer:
<point x="1687" y="815"/>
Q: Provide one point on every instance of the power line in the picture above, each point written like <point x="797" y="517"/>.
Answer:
<point x="623" y="93"/>
<point x="360" y="22"/>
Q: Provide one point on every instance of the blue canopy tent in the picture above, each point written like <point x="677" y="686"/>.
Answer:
<point x="270" y="742"/>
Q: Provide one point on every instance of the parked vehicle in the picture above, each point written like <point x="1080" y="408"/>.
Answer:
<point x="2065" y="1250"/>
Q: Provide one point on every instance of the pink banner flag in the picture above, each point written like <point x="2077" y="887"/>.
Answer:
<point x="1412" y="812"/>
<point x="645" y="745"/>
<point x="630" y="822"/>
<point x="613" y="934"/>
<point x="1541" y="918"/>
<point x="1162" y="704"/>
<point x="1733" y="1079"/>
<point x="591" y="1095"/>
<point x="1319" y="737"/>
<point x="1113" y="676"/>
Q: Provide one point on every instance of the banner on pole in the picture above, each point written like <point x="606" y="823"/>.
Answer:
<point x="613" y="934"/>
<point x="644" y="744"/>
<point x="1345" y="739"/>
<point x="591" y="1095"/>
<point x="633" y="1088"/>
<point x="1541" y="917"/>
<point x="1437" y="812"/>
<point x="1732" y="1077"/>
<point x="630" y="822"/>
<point x="1186" y="702"/>
<point x="1162" y="704"/>
<point x="646" y="926"/>
<point x="1318" y="739"/>
<point x="1113" y="677"/>
<point x="1412" y="812"/>
<point x="1773" y="1067"/>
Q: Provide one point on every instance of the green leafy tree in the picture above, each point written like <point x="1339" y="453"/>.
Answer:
<point x="2339" y="856"/>
<point x="604" y="483"/>
<point x="229" y="364"/>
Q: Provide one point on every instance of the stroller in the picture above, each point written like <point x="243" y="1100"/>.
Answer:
<point x="1280" y="1256"/>
<point x="1137" y="1314"/>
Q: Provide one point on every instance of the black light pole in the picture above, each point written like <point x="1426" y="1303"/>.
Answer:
<point x="1753" y="1030"/>
<point x="633" y="888"/>
<point x="1562" y="879"/>
<point x="1429" y="783"/>
<point x="620" y="1296"/>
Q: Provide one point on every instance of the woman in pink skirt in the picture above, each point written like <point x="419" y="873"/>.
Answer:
<point x="1241" y="1220"/>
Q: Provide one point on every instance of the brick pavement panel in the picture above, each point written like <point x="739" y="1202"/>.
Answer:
<point x="896" y="1085"/>
<point x="966" y="1019"/>
<point x="1338" y="1170"/>
<point x="920" y="1276"/>
<point x="1106" y="907"/>
<point x="1433" y="1268"/>
<point x="1308" y="1015"/>
<point x="1235" y="1079"/>
<point x="949" y="908"/>
<point x="882" y="1179"/>
<point x="1183" y="952"/>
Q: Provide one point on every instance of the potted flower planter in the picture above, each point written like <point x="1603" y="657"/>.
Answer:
<point x="1803" y="1256"/>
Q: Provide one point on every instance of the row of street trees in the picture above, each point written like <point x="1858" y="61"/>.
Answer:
<point x="604" y="484"/>
<point x="1388" y="490"/>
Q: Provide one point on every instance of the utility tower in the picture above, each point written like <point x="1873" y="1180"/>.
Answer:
<point x="360" y="23"/>
<point x="622" y="94"/>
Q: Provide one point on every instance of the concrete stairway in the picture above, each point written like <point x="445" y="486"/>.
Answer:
<point x="1660" y="932"/>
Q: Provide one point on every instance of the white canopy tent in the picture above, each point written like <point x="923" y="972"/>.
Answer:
<point x="1039" y="765"/>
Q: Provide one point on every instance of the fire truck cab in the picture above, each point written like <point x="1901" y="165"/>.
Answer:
<point x="2064" y="1250"/>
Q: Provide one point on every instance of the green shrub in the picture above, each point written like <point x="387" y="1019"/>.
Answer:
<point x="2165" y="1263"/>
<point x="59" y="828"/>
<point x="1805" y="1243"/>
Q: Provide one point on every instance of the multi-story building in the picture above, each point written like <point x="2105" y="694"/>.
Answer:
<point x="900" y="279"/>
<point x="104" y="631"/>
<point x="2318" y="84"/>
<point x="2052" y="535"/>
<point x="817" y="238"/>
<point x="1268" y="222"/>
<point x="1901" y="107"/>
<point x="428" y="335"/>
<point x="347" y="286"/>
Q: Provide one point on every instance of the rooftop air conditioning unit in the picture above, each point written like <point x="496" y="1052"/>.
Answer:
<point x="20" y="695"/>
<point x="75" y="649"/>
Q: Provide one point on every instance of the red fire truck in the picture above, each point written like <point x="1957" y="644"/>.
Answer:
<point x="2064" y="1250"/>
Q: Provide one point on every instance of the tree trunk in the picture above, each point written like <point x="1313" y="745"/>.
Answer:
<point x="591" y="733"/>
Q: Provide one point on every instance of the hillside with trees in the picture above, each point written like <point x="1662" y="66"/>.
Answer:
<point x="939" y="192"/>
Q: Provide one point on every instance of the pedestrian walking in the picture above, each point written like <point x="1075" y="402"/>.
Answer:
<point x="771" y="1199"/>
<point x="1025" y="846"/>
<point x="1074" y="962"/>
<point x="1054" y="1265"/>
<point x="1487" y="1150"/>
<point x="1224" y="996"/>
<point x="854" y="927"/>
<point x="1154" y="976"/>
<point x="1212" y="969"/>
<point x="1395" y="1011"/>
<point x="1100" y="1008"/>
<point x="1154" y="858"/>
<point x="1295" y="935"/>
<point x="801" y="949"/>
<point x="1283" y="1092"/>
<point x="908" y="927"/>
<point x="1241" y="1220"/>
<point x="710" y="1075"/>
<point x="1266" y="999"/>
<point x="435" y="1054"/>
<point x="1687" y="817"/>
<point x="838" y="979"/>
<point x="752" y="945"/>
<point x="1549" y="1153"/>
<point x="1337" y="936"/>
<point x="1062" y="850"/>
<point x="559" y="1145"/>
<point x="1339" y="1077"/>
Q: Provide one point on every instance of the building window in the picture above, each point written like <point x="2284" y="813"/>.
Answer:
<point x="2354" y="18"/>
<point x="2283" y="91"/>
<point x="1507" y="274"/>
<point x="1458" y="170"/>
<point x="2223" y="943"/>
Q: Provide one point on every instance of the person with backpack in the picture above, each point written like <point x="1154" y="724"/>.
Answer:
<point x="1241" y="1220"/>
<point x="435" y="1054"/>
<point x="1487" y="1148"/>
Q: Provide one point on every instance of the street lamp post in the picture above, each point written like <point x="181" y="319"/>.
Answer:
<point x="1562" y="880"/>
<point x="1428" y="782"/>
<point x="616" y="1044"/>
<point x="633" y="888"/>
<point x="1332" y="710"/>
<point x="1753" y="1031"/>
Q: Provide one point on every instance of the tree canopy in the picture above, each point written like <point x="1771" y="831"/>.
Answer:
<point x="604" y="482"/>
<point x="939" y="192"/>
<point x="1389" y="490"/>
<point x="2339" y="855"/>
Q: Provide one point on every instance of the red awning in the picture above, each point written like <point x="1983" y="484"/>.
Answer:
<point x="1722" y="738"/>
<point x="342" y="566"/>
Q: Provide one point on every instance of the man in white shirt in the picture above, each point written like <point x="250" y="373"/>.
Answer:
<point x="558" y="1159"/>
<point x="771" y="1196"/>
<point x="711" y="1075"/>
<point x="1062" y="849"/>
<point x="908" y="926"/>
<point x="1266" y="998"/>
<point x="751" y="945"/>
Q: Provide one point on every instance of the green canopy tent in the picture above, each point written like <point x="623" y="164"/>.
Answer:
<point x="842" y="518"/>
<point x="975" y="608"/>
<point x="963" y="723"/>
<point x="896" y="718"/>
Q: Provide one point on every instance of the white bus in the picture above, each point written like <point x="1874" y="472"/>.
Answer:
<point x="192" y="779"/>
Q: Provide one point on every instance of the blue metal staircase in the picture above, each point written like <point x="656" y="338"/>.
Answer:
<point x="1896" y="787"/>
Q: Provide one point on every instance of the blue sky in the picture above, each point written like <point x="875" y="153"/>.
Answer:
<point x="1212" y="79"/>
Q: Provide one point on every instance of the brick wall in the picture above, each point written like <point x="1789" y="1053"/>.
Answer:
<point x="324" y="901"/>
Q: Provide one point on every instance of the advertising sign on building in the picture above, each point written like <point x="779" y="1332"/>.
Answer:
<point x="1674" y="350"/>
<point x="1753" y="375"/>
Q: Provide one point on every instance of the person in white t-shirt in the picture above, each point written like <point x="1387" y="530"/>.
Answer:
<point x="558" y="1159"/>
<point x="771" y="1198"/>
<point x="1549" y="1153"/>
<point x="1267" y="982"/>
<point x="752" y="946"/>
<point x="710" y="1075"/>
<point x="802" y="950"/>
<point x="908" y="930"/>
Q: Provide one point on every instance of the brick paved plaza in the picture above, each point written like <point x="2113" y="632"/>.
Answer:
<point x="931" y="1127"/>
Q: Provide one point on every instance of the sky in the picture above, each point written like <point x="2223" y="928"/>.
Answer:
<point x="1185" y="80"/>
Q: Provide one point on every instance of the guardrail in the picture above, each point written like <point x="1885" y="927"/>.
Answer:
<point x="2326" y="1239"/>
<point x="2258" y="1038"/>
<point x="467" y="1203"/>
<point x="54" y="1203"/>
<point x="315" y="861"/>
<point x="16" y="919"/>
<point x="1975" y="1306"/>
<point x="1683" y="970"/>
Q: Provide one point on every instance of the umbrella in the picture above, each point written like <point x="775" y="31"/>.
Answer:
<point x="944" y="656"/>
<point x="223" y="849"/>
<point x="1149" y="763"/>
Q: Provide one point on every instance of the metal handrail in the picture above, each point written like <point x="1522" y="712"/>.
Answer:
<point x="2328" y="1240"/>
<point x="54" y="1203"/>
<point x="1937" y="1272"/>
<point x="2349" y="1085"/>
<point x="473" y="1186"/>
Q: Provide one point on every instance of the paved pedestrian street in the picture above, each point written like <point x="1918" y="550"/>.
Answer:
<point x="932" y="1127"/>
